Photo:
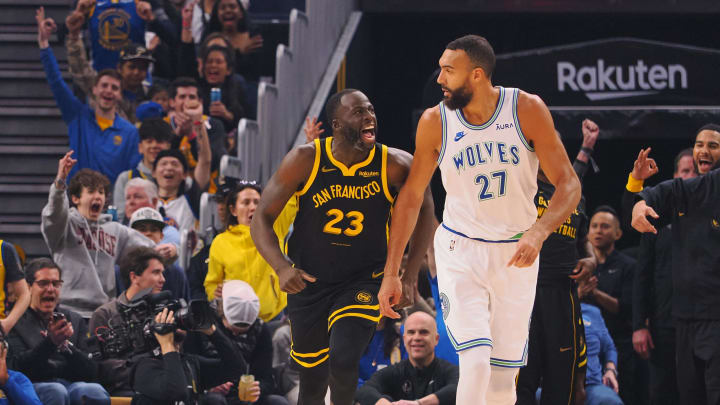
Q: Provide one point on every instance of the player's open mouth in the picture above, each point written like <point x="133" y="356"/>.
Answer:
<point x="705" y="165"/>
<point x="368" y="133"/>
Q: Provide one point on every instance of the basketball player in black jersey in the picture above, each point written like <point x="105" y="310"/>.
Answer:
<point x="345" y="186"/>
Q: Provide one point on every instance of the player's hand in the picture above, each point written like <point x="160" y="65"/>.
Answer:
<point x="45" y="27"/>
<point x="528" y="248"/>
<point x="644" y="166"/>
<point x="609" y="380"/>
<point x="292" y="280"/>
<point x="313" y="129"/>
<point x="639" y="221"/>
<point x="584" y="269"/>
<point x="590" y="132"/>
<point x="144" y="11"/>
<point x="642" y="342"/>
<point x="65" y="164"/>
<point x="409" y="290"/>
<point x="389" y="295"/>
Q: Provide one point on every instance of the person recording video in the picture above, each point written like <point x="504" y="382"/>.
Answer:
<point x="175" y="377"/>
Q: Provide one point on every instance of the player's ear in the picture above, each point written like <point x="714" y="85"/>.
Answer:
<point x="335" y="124"/>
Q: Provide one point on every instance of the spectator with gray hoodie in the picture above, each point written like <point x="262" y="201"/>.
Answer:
<point x="83" y="241"/>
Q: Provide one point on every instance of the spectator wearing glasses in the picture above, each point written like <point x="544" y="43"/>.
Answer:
<point x="48" y="344"/>
<point x="233" y="255"/>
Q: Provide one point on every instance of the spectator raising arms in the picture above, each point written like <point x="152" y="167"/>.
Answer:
<point x="83" y="241"/>
<point x="103" y="140"/>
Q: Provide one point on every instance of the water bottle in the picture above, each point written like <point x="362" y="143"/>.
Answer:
<point x="112" y="210"/>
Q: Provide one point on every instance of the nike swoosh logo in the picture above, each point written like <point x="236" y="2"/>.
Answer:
<point x="376" y="275"/>
<point x="459" y="136"/>
<point x="327" y="169"/>
<point x="564" y="349"/>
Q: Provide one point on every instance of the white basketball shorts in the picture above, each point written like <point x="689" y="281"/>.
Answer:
<point x="484" y="302"/>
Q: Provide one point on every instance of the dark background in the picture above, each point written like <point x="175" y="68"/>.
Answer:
<point x="393" y="56"/>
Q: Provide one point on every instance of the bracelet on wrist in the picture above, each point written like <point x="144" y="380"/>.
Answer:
<point x="586" y="150"/>
<point x="614" y="371"/>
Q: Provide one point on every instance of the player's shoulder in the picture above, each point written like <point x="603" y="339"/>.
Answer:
<point x="529" y="103"/>
<point x="431" y="116"/>
<point x="398" y="157"/>
<point x="304" y="152"/>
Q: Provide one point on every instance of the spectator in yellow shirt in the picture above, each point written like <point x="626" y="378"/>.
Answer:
<point x="233" y="255"/>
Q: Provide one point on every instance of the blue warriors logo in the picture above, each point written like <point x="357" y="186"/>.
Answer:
<point x="114" y="28"/>
<point x="444" y="305"/>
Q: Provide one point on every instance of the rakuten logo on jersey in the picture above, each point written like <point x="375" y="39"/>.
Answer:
<point x="601" y="82"/>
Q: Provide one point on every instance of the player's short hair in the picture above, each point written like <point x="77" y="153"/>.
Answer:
<point x="680" y="155"/>
<point x="610" y="210"/>
<point x="90" y="179"/>
<point x="334" y="102"/>
<point x="148" y="186"/>
<point x="707" y="127"/>
<point x="156" y="128"/>
<point x="108" y="72"/>
<point x="184" y="82"/>
<point x="136" y="262"/>
<point x="478" y="49"/>
<point x="38" y="264"/>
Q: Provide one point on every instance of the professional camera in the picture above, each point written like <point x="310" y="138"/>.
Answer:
<point x="136" y="333"/>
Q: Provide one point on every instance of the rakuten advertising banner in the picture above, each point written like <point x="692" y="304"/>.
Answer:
<point x="616" y="71"/>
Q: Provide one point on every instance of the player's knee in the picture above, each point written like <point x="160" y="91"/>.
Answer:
<point x="501" y="389"/>
<point x="475" y="360"/>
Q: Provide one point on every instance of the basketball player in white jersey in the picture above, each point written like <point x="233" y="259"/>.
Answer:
<point x="488" y="142"/>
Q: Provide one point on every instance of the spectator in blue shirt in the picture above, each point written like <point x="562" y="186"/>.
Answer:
<point x="102" y="140"/>
<point x="601" y="386"/>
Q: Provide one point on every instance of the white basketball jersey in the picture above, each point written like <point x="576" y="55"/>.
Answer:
<point x="489" y="172"/>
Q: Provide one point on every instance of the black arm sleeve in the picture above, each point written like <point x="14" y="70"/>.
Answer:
<point x="662" y="199"/>
<point x="642" y="281"/>
<point x="378" y="386"/>
<point x="261" y="364"/>
<point x="450" y="374"/>
<point x="161" y="379"/>
<point x="580" y="168"/>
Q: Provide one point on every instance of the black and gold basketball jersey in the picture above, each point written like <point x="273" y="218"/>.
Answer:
<point x="341" y="227"/>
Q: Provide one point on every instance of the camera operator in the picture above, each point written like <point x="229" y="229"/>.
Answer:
<point x="178" y="378"/>
<point x="48" y="343"/>
<point x="140" y="271"/>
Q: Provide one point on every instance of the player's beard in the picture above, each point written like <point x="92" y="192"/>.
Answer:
<point x="353" y="136"/>
<point x="458" y="98"/>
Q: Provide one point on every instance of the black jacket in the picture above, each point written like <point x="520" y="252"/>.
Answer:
<point x="404" y="381"/>
<point x="615" y="278"/>
<point x="176" y="377"/>
<point x="693" y="208"/>
<point x="40" y="360"/>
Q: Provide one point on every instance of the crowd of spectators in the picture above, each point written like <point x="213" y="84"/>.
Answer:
<point x="152" y="109"/>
